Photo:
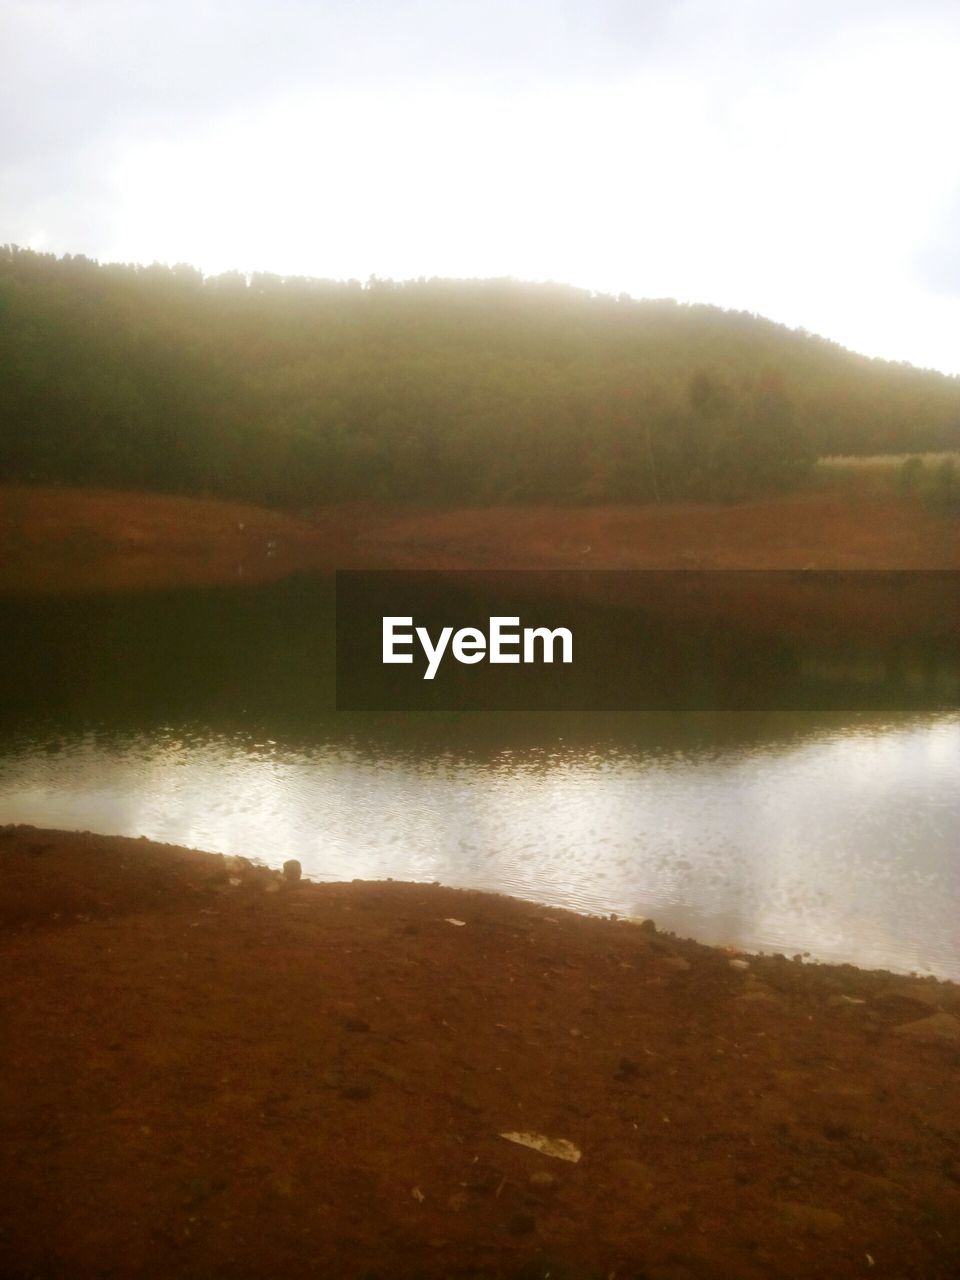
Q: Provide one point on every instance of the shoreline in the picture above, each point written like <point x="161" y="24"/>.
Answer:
<point x="221" y="1071"/>
<point x="56" y="540"/>
<point x="699" y="931"/>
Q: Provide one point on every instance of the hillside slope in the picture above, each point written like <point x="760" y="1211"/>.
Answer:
<point x="295" y="392"/>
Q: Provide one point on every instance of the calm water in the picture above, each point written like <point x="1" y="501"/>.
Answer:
<point x="205" y="719"/>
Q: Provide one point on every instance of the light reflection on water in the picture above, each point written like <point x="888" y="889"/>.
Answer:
<point x="842" y="843"/>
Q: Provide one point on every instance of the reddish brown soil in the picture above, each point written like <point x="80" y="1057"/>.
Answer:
<point x="64" y="540"/>
<point x="805" y="531"/>
<point x="255" y="1079"/>
<point x="75" y="539"/>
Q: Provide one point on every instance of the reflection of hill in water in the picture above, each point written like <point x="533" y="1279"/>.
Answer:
<point x="259" y="661"/>
<point x="938" y="680"/>
<point x="664" y="641"/>
<point x="815" y="606"/>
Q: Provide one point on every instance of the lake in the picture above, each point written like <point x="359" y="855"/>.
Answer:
<point x="207" y="718"/>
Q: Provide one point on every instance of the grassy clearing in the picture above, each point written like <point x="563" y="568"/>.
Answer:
<point x="882" y="462"/>
<point x="933" y="478"/>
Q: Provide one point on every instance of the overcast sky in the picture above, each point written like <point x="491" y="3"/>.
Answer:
<point x="797" y="158"/>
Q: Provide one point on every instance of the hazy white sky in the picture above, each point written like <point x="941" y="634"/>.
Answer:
<point x="797" y="158"/>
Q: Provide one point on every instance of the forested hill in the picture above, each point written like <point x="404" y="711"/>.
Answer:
<point x="298" y="391"/>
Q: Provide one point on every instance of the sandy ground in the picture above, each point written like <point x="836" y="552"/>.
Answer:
<point x="211" y="1071"/>
<point x="57" y="540"/>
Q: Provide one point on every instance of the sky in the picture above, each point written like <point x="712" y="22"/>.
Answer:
<point x="794" y="158"/>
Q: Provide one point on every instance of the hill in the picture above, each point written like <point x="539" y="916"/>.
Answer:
<point x="297" y="392"/>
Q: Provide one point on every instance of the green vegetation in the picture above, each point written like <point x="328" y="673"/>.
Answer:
<point x="295" y="391"/>
<point x="934" y="478"/>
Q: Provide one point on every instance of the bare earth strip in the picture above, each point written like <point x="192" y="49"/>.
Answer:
<point x="54" y="539"/>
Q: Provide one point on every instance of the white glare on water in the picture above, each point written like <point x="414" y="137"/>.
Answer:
<point x="841" y="843"/>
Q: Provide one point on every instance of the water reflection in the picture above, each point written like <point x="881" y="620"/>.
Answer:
<point x="791" y="832"/>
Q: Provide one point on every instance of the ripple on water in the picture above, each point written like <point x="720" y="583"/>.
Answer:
<point x="839" y="842"/>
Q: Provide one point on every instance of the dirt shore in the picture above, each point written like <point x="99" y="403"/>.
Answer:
<point x="214" y="1071"/>
<point x="56" y="540"/>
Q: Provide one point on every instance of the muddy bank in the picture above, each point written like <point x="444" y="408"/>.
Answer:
<point x="57" y="539"/>
<point x="56" y="542"/>
<point x="214" y="1071"/>
<point x="807" y="530"/>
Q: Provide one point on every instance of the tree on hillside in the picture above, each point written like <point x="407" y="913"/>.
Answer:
<point x="294" y="391"/>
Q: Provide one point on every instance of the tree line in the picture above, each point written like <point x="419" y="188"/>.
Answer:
<point x="297" y="391"/>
